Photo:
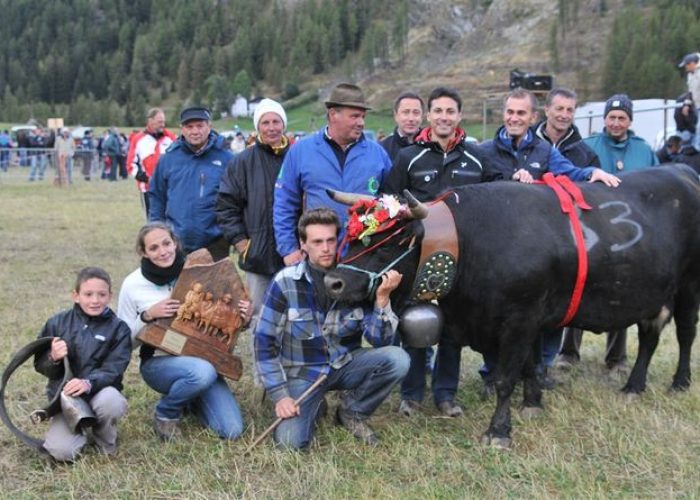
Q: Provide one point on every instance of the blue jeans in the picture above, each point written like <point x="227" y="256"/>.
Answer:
<point x="367" y="379"/>
<point x="696" y="136"/>
<point x="550" y="344"/>
<point x="38" y="166"/>
<point x="193" y="382"/>
<point x="4" y="159"/>
<point x="445" y="377"/>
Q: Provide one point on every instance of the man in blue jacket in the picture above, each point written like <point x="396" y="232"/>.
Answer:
<point x="522" y="156"/>
<point x="185" y="186"/>
<point x="337" y="157"/>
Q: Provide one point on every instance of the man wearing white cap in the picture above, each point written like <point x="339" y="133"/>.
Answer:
<point x="244" y="205"/>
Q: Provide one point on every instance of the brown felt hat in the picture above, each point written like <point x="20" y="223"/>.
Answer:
<point x="348" y="95"/>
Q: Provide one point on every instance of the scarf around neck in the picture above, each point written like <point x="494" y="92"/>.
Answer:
<point x="162" y="275"/>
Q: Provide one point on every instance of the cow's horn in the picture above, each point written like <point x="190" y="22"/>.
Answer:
<point x="347" y="198"/>
<point x="418" y="210"/>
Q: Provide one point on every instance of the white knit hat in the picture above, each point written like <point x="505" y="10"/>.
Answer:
<point x="268" y="106"/>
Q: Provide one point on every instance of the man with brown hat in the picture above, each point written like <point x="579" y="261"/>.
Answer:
<point x="337" y="157"/>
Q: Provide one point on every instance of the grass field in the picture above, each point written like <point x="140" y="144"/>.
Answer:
<point x="590" y="443"/>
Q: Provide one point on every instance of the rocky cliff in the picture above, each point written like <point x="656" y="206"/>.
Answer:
<point x="473" y="44"/>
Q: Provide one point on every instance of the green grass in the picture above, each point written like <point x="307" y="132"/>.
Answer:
<point x="590" y="443"/>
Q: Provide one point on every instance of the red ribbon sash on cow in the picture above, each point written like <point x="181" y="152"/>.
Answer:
<point x="570" y="197"/>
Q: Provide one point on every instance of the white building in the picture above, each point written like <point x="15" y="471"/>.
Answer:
<point x="240" y="107"/>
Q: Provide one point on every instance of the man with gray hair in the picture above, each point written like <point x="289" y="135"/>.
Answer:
<point x="558" y="129"/>
<point x="145" y="149"/>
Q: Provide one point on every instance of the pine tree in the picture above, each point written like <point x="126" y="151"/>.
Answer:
<point x="242" y="84"/>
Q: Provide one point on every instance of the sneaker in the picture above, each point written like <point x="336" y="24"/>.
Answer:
<point x="409" y="407"/>
<point x="450" y="409"/>
<point x="356" y="426"/>
<point x="566" y="362"/>
<point x="167" y="429"/>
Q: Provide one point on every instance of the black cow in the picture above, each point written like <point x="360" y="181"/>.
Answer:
<point x="517" y="267"/>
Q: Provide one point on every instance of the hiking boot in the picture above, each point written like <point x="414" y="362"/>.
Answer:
<point x="450" y="409"/>
<point x="409" y="407"/>
<point x="488" y="390"/>
<point x="547" y="382"/>
<point x="356" y="426"/>
<point x="566" y="362"/>
<point x="618" y="369"/>
<point x="167" y="429"/>
<point x="322" y="409"/>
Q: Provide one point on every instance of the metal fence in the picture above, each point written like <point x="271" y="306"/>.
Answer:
<point x="41" y="164"/>
<point x="653" y="119"/>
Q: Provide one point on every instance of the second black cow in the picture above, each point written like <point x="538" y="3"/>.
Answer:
<point x="512" y="269"/>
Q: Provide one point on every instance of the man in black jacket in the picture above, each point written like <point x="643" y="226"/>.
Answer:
<point x="559" y="130"/>
<point x="408" y="115"/>
<point x="244" y="205"/>
<point x="439" y="160"/>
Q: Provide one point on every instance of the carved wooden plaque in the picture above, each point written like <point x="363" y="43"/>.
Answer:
<point x="208" y="321"/>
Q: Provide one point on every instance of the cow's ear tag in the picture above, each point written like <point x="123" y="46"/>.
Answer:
<point x="366" y="241"/>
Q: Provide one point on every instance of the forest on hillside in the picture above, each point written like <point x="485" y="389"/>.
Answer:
<point x="645" y="46"/>
<point x="105" y="61"/>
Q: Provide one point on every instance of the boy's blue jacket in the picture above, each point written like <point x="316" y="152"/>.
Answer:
<point x="184" y="189"/>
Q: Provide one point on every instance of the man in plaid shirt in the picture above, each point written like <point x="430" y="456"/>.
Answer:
<point x="303" y="334"/>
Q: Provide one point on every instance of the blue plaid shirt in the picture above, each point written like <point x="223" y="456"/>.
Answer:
<point x="294" y="338"/>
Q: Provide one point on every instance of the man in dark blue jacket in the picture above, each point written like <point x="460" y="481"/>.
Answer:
<point x="185" y="186"/>
<point x="521" y="155"/>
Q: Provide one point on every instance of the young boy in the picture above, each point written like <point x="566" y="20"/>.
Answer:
<point x="98" y="346"/>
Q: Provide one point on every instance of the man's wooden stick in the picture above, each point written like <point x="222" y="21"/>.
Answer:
<point x="297" y="401"/>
